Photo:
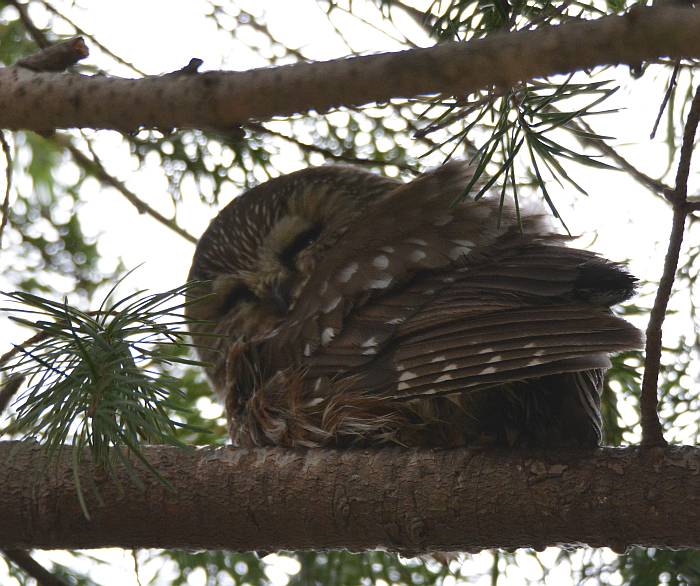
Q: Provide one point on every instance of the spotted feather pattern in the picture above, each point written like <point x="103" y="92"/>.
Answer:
<point x="416" y="316"/>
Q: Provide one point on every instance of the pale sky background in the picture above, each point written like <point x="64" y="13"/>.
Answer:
<point x="163" y="35"/>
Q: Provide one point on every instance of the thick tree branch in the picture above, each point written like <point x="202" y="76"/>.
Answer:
<point x="400" y="499"/>
<point x="45" y="101"/>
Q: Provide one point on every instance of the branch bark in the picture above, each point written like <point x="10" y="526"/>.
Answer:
<point x="46" y="101"/>
<point x="406" y="500"/>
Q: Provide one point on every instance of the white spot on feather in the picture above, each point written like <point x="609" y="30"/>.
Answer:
<point x="331" y="305"/>
<point x="407" y="375"/>
<point x="369" y="352"/>
<point x="416" y="241"/>
<point x="346" y="274"/>
<point x="307" y="350"/>
<point x="381" y="261"/>
<point x="442" y="220"/>
<point x="449" y="367"/>
<point x="417" y="256"/>
<point x="388" y="249"/>
<point x="438" y="358"/>
<point x="444" y="378"/>
<point x="488" y="370"/>
<point x="494" y="358"/>
<point x="459" y="251"/>
<point x="369" y="342"/>
<point x="327" y="335"/>
<point x="381" y="283"/>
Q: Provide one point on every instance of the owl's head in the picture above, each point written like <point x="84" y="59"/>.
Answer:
<point x="260" y="250"/>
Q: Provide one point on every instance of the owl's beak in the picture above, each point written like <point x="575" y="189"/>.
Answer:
<point x="280" y="294"/>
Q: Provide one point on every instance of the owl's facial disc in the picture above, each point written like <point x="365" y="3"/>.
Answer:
<point x="271" y="283"/>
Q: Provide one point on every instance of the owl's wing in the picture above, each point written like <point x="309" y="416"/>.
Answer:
<point x="424" y="295"/>
<point x="533" y="309"/>
<point x="420" y="226"/>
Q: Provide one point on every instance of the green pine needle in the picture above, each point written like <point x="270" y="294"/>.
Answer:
<point x="93" y="378"/>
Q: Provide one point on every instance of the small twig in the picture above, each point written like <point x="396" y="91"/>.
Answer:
<point x="92" y="39"/>
<point x="7" y="356"/>
<point x="8" y="390"/>
<point x="34" y="32"/>
<point x="667" y="96"/>
<point x="14" y="381"/>
<point x="262" y="27"/>
<point x="95" y="167"/>
<point x="190" y="69"/>
<point x="8" y="184"/>
<point x="27" y="563"/>
<point x="422" y="19"/>
<point x="652" y="434"/>
<point x="58" y="57"/>
<point x="327" y="152"/>
<point x="137" y="573"/>
<point x="653" y="185"/>
<point x="405" y="41"/>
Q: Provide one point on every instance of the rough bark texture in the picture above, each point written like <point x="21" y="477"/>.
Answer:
<point x="407" y="500"/>
<point x="45" y="101"/>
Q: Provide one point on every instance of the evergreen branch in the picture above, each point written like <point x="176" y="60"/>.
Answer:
<point x="652" y="433"/>
<point x="96" y="376"/>
<point x="526" y="112"/>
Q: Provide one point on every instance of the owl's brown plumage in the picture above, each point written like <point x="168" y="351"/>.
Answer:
<point x="341" y="307"/>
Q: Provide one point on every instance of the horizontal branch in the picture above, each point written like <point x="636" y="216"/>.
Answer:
<point x="400" y="499"/>
<point x="46" y="101"/>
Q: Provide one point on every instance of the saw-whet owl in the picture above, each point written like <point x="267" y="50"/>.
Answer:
<point x="338" y="307"/>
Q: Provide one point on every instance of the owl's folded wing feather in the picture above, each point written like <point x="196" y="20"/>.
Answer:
<point x="420" y="226"/>
<point x="533" y="309"/>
